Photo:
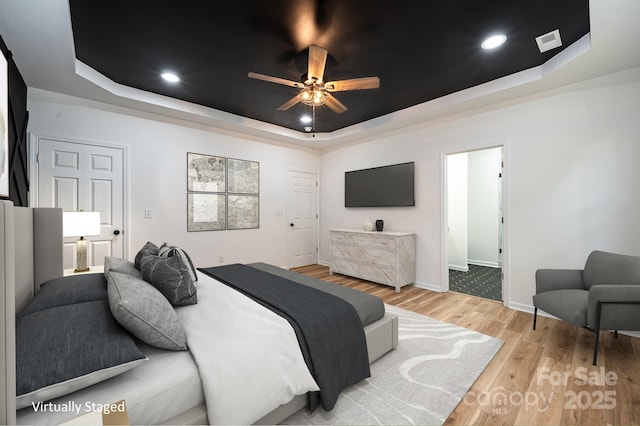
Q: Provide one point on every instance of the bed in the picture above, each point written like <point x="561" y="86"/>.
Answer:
<point x="168" y="387"/>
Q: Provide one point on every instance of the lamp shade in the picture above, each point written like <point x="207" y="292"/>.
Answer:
<point x="80" y="224"/>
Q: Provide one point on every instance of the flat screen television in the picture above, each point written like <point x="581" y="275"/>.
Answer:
<point x="387" y="186"/>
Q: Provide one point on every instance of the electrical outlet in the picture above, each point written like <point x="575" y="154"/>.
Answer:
<point x="148" y="214"/>
<point x="220" y="259"/>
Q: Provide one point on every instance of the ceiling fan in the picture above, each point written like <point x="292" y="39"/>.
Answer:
<point x="314" y="91"/>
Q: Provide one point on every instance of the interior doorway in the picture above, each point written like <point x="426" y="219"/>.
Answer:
<point x="302" y="215"/>
<point x="79" y="176"/>
<point x="475" y="222"/>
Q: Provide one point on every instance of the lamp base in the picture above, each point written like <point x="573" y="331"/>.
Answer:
<point x="81" y="256"/>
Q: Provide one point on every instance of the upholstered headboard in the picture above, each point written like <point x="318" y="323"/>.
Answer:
<point x="30" y="254"/>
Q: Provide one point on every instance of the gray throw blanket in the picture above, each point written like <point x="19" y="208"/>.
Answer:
<point x="328" y="328"/>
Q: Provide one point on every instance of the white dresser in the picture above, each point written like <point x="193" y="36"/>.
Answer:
<point x="382" y="257"/>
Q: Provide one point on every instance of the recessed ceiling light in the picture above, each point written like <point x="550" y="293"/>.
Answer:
<point x="493" y="41"/>
<point x="170" y="77"/>
<point x="305" y="119"/>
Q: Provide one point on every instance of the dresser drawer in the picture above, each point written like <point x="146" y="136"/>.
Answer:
<point x="384" y="241"/>
<point x="361" y="239"/>
<point x="377" y="273"/>
<point x="339" y="237"/>
<point x="378" y="255"/>
<point x="343" y="266"/>
<point x="345" y="251"/>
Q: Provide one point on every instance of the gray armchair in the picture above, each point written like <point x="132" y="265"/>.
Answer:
<point x="605" y="295"/>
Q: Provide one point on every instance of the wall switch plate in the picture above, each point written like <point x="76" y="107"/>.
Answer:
<point x="148" y="214"/>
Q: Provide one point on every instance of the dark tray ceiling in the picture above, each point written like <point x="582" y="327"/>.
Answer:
<point x="421" y="50"/>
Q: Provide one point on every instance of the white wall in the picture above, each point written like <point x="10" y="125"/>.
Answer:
<point x="158" y="178"/>
<point x="484" y="206"/>
<point x="571" y="166"/>
<point x="457" y="209"/>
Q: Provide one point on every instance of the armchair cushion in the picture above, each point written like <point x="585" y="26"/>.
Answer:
<point x="558" y="279"/>
<point x="604" y="268"/>
<point x="568" y="305"/>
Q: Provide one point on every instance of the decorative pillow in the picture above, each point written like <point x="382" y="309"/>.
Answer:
<point x="149" y="249"/>
<point x="145" y="312"/>
<point x="64" y="349"/>
<point x="167" y="251"/>
<point x="171" y="276"/>
<point x="67" y="291"/>
<point x="120" y="265"/>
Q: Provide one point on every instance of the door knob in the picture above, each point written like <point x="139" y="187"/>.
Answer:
<point x="116" y="232"/>
<point x="291" y="225"/>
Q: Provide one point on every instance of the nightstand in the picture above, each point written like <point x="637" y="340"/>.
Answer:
<point x="92" y="270"/>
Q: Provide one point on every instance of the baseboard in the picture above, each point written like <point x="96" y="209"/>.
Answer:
<point x="483" y="263"/>
<point x="522" y="307"/>
<point x="630" y="333"/>
<point x="428" y="286"/>
<point x="324" y="263"/>
<point x="459" y="268"/>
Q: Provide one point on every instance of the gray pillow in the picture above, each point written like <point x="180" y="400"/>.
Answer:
<point x="171" y="276"/>
<point x="145" y="312"/>
<point x="67" y="291"/>
<point x="120" y="265"/>
<point x="64" y="349"/>
<point x="149" y="249"/>
<point x="167" y="251"/>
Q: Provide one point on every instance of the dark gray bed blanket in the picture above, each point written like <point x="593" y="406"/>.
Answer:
<point x="370" y="308"/>
<point x="328" y="328"/>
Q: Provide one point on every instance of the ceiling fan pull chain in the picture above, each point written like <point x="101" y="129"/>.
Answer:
<point x="313" y="118"/>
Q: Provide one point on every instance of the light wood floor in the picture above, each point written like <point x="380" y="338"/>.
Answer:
<point x="537" y="377"/>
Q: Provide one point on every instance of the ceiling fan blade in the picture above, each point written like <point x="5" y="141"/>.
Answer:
<point x="353" y="84"/>
<point x="317" y="62"/>
<point x="291" y="102"/>
<point x="334" y="104"/>
<point x="277" y="80"/>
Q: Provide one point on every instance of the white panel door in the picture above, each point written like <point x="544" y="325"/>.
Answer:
<point x="302" y="212"/>
<point x="76" y="176"/>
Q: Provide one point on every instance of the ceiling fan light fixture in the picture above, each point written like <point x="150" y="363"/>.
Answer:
<point x="493" y="41"/>
<point x="306" y="119"/>
<point x="313" y="96"/>
<point x="170" y="77"/>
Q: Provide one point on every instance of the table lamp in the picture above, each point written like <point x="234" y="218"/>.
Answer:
<point x="81" y="224"/>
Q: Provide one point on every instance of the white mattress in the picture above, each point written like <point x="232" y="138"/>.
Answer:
<point x="159" y="389"/>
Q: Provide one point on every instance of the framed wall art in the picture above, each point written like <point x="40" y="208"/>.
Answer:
<point x="206" y="212"/>
<point x="206" y="173"/>
<point x="243" y="176"/>
<point x="243" y="211"/>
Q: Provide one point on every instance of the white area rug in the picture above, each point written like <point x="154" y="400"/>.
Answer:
<point x="420" y="382"/>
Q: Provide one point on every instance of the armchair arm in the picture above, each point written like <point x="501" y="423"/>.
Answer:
<point x="558" y="279"/>
<point x="611" y="293"/>
<point x="614" y="293"/>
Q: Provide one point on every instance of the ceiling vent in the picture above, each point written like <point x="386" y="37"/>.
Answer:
<point x="549" y="41"/>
